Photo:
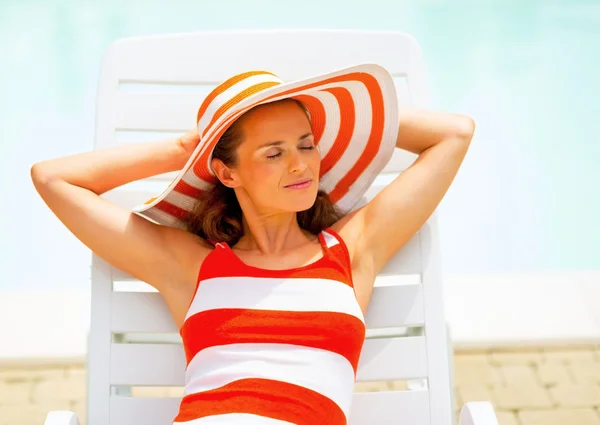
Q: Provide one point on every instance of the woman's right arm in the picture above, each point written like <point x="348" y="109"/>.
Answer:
<point x="71" y="187"/>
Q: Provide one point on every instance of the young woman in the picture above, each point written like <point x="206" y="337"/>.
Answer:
<point x="257" y="247"/>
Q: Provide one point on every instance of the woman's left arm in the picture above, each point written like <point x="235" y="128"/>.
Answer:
<point x="379" y="229"/>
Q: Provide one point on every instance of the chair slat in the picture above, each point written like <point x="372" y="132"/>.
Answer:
<point x="147" y="311"/>
<point x="392" y="359"/>
<point x="152" y="59"/>
<point x="390" y="408"/>
<point x="405" y="310"/>
<point x="147" y="364"/>
<point x="140" y="312"/>
<point x="164" y="364"/>
<point x="156" y="111"/>
<point x="381" y="408"/>
<point x="139" y="410"/>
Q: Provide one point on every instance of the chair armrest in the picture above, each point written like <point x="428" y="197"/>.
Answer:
<point x="478" y="413"/>
<point x="61" y="417"/>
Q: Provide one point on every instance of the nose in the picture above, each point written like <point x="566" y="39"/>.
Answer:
<point x="297" y="164"/>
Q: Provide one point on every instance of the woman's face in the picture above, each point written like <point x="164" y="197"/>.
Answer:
<point x="278" y="162"/>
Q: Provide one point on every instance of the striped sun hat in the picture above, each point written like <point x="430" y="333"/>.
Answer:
<point x="354" y="119"/>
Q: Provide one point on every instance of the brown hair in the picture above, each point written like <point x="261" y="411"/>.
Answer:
<point x="217" y="216"/>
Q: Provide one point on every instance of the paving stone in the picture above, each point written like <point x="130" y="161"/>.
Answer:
<point x="472" y="359"/>
<point x="175" y="392"/>
<point x="507" y="418"/>
<point x="481" y="373"/>
<point x="15" y="393"/>
<point x="522" y="396"/>
<point x="569" y="355"/>
<point x="66" y="389"/>
<point x="587" y="372"/>
<point x="582" y="395"/>
<point x="520" y="375"/>
<point x="474" y="393"/>
<point x="517" y="358"/>
<point x="23" y="415"/>
<point x="458" y="397"/>
<point x="555" y="373"/>
<point x="365" y="387"/>
<point x="10" y="415"/>
<point x="76" y="373"/>
<point x="559" y="417"/>
<point x="79" y="408"/>
<point x="31" y="375"/>
<point x="149" y="392"/>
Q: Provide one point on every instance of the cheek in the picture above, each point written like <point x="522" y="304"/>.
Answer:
<point x="264" y="174"/>
<point x="315" y="162"/>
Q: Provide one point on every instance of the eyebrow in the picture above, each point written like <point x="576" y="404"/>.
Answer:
<point x="280" y="142"/>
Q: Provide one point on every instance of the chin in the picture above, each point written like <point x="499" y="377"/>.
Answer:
<point x="302" y="203"/>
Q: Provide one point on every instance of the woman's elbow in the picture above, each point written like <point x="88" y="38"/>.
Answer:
<point x="465" y="127"/>
<point x="41" y="175"/>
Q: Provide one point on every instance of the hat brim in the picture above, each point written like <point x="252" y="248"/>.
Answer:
<point x="354" y="116"/>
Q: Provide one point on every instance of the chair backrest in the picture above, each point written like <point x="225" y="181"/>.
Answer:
<point x="149" y="88"/>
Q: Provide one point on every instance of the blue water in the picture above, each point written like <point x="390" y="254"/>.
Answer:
<point x="526" y="199"/>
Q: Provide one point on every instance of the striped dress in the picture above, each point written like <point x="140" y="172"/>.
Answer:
<point x="272" y="347"/>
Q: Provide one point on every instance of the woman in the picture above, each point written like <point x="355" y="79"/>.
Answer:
<point x="258" y="246"/>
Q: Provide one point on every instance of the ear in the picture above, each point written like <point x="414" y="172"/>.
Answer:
<point x="226" y="175"/>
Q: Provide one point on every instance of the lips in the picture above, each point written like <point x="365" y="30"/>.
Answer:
<point x="299" y="183"/>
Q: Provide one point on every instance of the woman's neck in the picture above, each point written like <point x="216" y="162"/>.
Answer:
<point x="273" y="234"/>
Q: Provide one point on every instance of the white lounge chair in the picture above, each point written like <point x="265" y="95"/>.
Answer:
<point x="155" y="84"/>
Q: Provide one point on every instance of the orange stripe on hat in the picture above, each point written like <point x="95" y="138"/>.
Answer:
<point x="187" y="189"/>
<point x="171" y="209"/>
<point x="263" y="397"/>
<point x="373" y="143"/>
<point x="302" y="328"/>
<point x="317" y="114"/>
<point x="224" y="86"/>
<point x="346" y="130"/>
<point x="200" y="167"/>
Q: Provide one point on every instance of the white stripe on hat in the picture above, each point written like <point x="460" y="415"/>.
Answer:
<point x="219" y="365"/>
<point x="181" y="200"/>
<point x="230" y="93"/>
<point x="163" y="218"/>
<point x="193" y="180"/>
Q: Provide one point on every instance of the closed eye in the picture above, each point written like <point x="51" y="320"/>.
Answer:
<point x="278" y="154"/>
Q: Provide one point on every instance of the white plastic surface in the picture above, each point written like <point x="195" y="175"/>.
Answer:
<point x="61" y="417"/>
<point x="477" y="413"/>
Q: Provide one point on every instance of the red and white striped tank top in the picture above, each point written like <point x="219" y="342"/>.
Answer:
<point x="272" y="347"/>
